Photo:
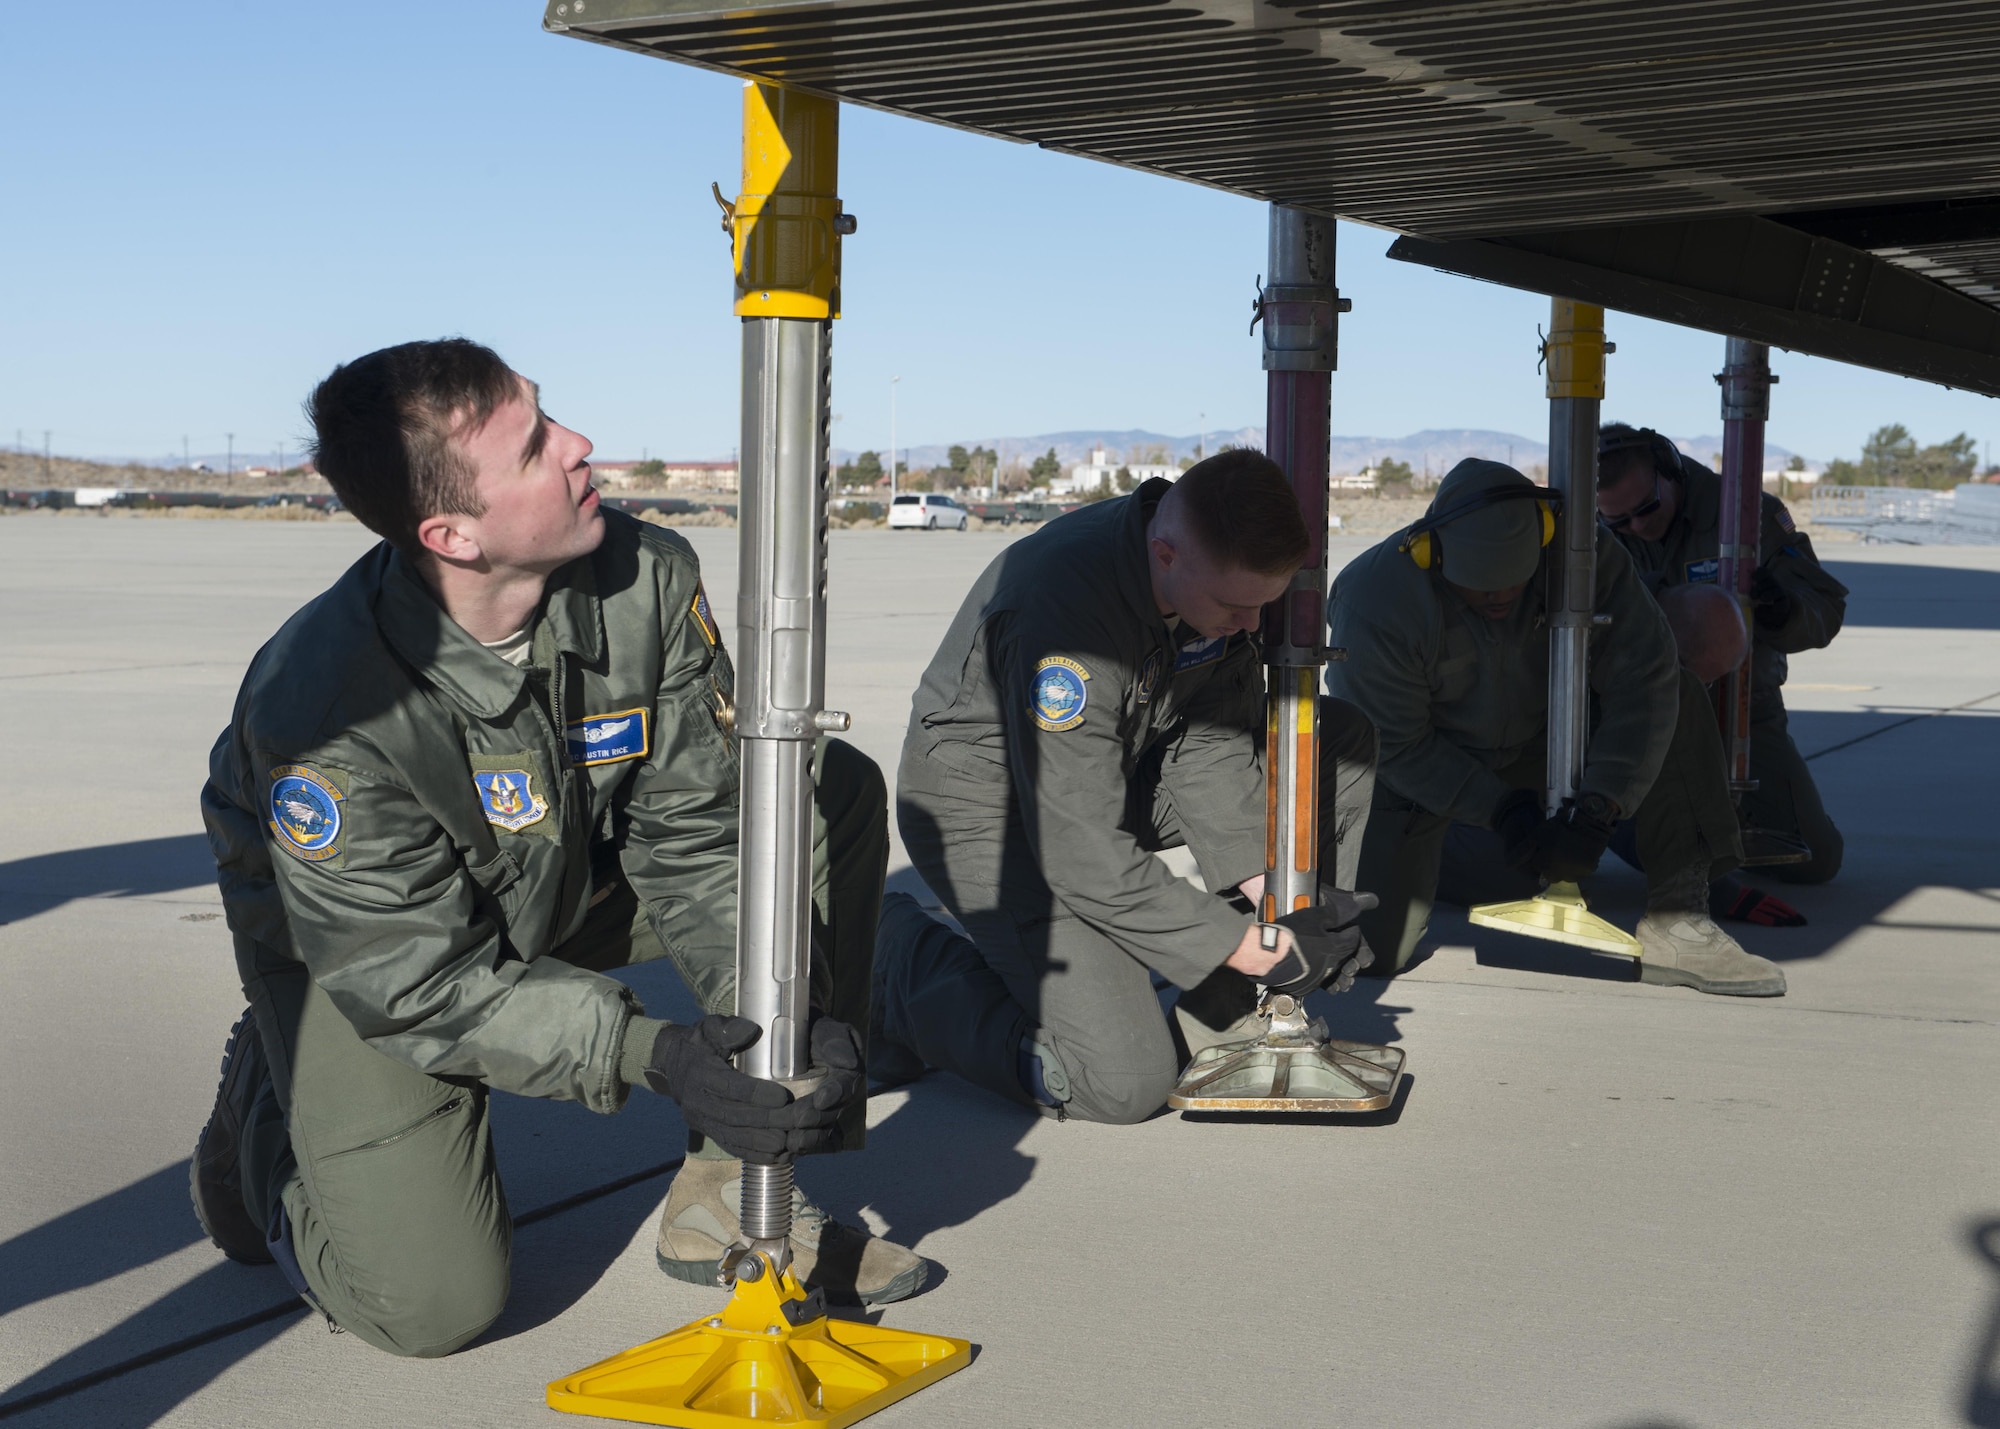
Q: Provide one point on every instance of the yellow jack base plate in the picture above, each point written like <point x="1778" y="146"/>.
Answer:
<point x="1276" y="1075"/>
<point x="1560" y="916"/>
<point x="752" y="1365"/>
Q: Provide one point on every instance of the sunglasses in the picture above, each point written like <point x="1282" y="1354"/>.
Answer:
<point x="1637" y="513"/>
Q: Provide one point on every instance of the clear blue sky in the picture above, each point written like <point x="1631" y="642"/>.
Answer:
<point x="209" y="206"/>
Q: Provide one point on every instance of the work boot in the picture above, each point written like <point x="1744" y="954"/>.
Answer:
<point x="215" y="1176"/>
<point x="1680" y="945"/>
<point x="700" y="1221"/>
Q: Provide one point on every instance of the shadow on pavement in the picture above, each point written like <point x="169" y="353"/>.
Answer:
<point x="133" y="1226"/>
<point x="216" y="1296"/>
<point x="1918" y="597"/>
<point x="33" y="885"/>
<point x="904" y="1180"/>
<point x="1982" y="1389"/>
<point x="1363" y="1013"/>
<point x="1908" y="795"/>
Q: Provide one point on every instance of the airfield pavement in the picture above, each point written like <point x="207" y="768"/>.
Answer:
<point x="1595" y="1204"/>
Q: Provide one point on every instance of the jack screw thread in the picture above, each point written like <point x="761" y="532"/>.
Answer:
<point x="767" y="1202"/>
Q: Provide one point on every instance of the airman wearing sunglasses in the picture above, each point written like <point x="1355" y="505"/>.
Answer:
<point x="1666" y="510"/>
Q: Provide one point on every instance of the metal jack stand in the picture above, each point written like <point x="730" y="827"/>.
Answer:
<point x="1746" y="381"/>
<point x="1575" y="353"/>
<point x="1294" y="1066"/>
<point x="773" y="1355"/>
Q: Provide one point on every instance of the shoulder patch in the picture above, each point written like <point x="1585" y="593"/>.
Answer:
<point x="508" y="798"/>
<point x="1785" y="519"/>
<point x="1708" y="570"/>
<point x="607" y="738"/>
<point x="305" y="812"/>
<point x="1058" y="693"/>
<point x="1200" y="652"/>
<point x="704" y="617"/>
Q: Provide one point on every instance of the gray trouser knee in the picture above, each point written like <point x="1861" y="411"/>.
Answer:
<point x="398" y="1221"/>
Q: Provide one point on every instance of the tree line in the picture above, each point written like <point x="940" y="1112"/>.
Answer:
<point x="1891" y="457"/>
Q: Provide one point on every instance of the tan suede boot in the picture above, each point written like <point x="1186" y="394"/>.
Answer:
<point x="1680" y="945"/>
<point x="699" y="1222"/>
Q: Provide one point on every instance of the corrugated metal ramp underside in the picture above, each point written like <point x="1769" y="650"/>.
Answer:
<point x="1447" y="122"/>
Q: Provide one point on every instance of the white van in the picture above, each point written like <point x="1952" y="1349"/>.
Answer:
<point x="926" y="512"/>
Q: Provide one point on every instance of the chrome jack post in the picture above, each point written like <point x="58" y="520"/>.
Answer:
<point x="1294" y="1067"/>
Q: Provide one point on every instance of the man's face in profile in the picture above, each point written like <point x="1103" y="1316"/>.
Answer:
<point x="533" y="476"/>
<point x="1638" y="501"/>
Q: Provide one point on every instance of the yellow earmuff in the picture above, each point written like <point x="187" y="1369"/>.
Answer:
<point x="1426" y="549"/>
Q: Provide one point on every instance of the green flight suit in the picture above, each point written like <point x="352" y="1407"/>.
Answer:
<point x="430" y="856"/>
<point x="1785" y="800"/>
<point x="1460" y="704"/>
<point x="1062" y="733"/>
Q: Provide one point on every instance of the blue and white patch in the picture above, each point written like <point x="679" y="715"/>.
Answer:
<point x="607" y="738"/>
<point x="305" y="812"/>
<point x="1058" y="695"/>
<point x="1200" y="652"/>
<point x="1149" y="676"/>
<point x="508" y="796"/>
<point x="1699" y="572"/>
<point x="1785" y="520"/>
<point x="704" y="617"/>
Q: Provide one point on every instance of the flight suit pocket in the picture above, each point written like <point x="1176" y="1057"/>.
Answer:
<point x="691" y="729"/>
<point x="497" y="874"/>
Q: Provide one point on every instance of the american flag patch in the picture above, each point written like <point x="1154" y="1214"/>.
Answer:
<point x="1785" y="519"/>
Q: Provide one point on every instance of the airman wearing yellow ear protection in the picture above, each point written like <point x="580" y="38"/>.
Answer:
<point x="1447" y="642"/>
<point x="1423" y="540"/>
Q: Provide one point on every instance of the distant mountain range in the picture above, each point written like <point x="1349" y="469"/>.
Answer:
<point x="1435" y="450"/>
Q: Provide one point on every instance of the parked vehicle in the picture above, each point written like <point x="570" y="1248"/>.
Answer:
<point x="926" y="512"/>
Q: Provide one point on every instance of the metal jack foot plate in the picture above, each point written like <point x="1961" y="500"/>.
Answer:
<point x="1559" y="915"/>
<point x="771" y="1357"/>
<point x="1294" y="1068"/>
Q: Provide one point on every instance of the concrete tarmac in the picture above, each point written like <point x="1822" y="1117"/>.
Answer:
<point x="1595" y="1204"/>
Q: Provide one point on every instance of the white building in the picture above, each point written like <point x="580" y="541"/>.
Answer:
<point x="1086" y="476"/>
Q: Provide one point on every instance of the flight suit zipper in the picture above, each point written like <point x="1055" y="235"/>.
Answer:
<point x="446" y="1109"/>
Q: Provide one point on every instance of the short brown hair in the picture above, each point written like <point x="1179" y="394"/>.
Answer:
<point x="1241" y="509"/>
<point x="384" y="424"/>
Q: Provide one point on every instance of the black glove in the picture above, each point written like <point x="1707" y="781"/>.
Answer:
<point x="1326" y="945"/>
<point x="836" y="1056"/>
<point x="746" y="1116"/>
<point x="1568" y="846"/>
<point x="1517" y="818"/>
<point x="1771" y="603"/>
<point x="1220" y="1000"/>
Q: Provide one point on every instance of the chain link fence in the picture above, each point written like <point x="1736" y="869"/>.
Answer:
<point x="1966" y="516"/>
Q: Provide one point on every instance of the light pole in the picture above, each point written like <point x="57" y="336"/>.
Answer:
<point x="892" y="439"/>
<point x="229" y="463"/>
<point x="1201" y="442"/>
